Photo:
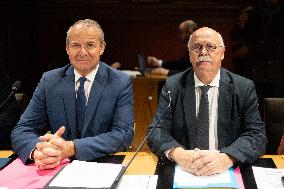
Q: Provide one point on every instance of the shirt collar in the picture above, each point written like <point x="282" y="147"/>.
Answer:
<point x="214" y="83"/>
<point x="90" y="77"/>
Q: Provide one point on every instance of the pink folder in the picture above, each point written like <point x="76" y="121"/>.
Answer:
<point x="18" y="175"/>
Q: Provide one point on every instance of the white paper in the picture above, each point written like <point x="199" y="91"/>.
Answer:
<point x="268" y="177"/>
<point x="87" y="174"/>
<point x="138" y="182"/>
<point x="184" y="178"/>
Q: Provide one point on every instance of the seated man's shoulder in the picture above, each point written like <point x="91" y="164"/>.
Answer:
<point x="58" y="72"/>
<point x="179" y="79"/>
<point x="238" y="79"/>
<point x="114" y="74"/>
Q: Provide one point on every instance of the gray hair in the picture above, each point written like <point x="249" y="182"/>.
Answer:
<point x="219" y="35"/>
<point x="87" y="23"/>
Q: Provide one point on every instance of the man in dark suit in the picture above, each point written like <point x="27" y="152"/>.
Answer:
<point x="9" y="110"/>
<point x="208" y="132"/>
<point x="171" y="67"/>
<point x="87" y="106"/>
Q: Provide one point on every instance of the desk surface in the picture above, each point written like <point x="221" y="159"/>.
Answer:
<point x="5" y="153"/>
<point x="145" y="162"/>
<point x="278" y="160"/>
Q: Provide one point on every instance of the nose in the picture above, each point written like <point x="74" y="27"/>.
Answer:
<point x="83" y="51"/>
<point x="203" y="50"/>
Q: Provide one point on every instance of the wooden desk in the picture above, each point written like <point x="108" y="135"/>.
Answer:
<point x="145" y="162"/>
<point x="5" y="153"/>
<point x="146" y="90"/>
<point x="278" y="160"/>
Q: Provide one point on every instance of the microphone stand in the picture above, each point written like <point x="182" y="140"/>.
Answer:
<point x="124" y="167"/>
<point x="15" y="87"/>
<point x="7" y="99"/>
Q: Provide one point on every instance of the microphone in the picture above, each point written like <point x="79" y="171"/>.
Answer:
<point x="15" y="87"/>
<point x="124" y="167"/>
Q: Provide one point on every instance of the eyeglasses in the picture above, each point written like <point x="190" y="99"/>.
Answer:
<point x="197" y="48"/>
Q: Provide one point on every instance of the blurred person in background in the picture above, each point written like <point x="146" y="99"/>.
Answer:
<point x="168" y="68"/>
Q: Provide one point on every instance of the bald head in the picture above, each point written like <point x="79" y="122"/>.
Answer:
<point x="209" y="32"/>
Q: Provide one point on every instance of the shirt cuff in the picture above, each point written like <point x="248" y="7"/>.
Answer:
<point x="30" y="156"/>
<point x="160" y="63"/>
<point x="167" y="153"/>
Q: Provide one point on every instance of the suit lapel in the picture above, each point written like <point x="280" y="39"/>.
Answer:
<point x="189" y="106"/>
<point x="69" y="99"/>
<point x="95" y="94"/>
<point x="224" y="106"/>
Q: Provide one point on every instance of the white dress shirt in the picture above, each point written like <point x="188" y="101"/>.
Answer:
<point x="213" y="94"/>
<point x="88" y="83"/>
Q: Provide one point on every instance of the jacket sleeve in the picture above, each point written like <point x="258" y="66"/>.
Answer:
<point x="252" y="141"/>
<point x="31" y="125"/>
<point x="161" y="138"/>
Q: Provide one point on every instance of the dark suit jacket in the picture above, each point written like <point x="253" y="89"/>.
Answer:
<point x="177" y="66"/>
<point x="9" y="112"/>
<point x="108" y="125"/>
<point x="240" y="131"/>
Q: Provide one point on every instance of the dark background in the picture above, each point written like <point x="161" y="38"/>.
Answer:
<point x="32" y="32"/>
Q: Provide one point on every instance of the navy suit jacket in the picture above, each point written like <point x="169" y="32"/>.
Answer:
<point x="108" y="125"/>
<point x="240" y="131"/>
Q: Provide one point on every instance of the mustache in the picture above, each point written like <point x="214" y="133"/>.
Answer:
<point x="204" y="59"/>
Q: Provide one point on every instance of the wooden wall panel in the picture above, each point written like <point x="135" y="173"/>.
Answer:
<point x="33" y="32"/>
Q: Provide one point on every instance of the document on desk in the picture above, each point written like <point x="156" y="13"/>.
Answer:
<point x="268" y="177"/>
<point x="84" y="174"/>
<point x="138" y="182"/>
<point x="183" y="179"/>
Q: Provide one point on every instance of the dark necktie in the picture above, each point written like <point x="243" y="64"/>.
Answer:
<point x="203" y="120"/>
<point x="81" y="106"/>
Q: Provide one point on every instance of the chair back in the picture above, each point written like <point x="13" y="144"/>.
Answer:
<point x="274" y="123"/>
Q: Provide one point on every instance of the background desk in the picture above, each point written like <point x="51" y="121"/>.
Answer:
<point x="146" y="90"/>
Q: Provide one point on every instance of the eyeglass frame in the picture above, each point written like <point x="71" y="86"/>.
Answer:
<point x="206" y="47"/>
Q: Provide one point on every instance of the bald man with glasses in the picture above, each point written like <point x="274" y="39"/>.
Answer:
<point x="213" y="122"/>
